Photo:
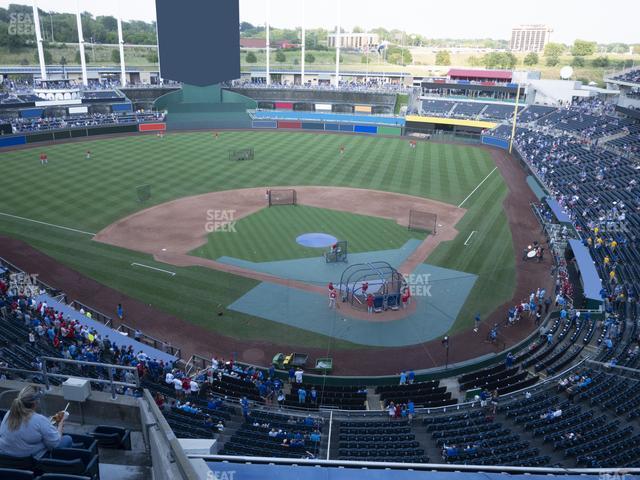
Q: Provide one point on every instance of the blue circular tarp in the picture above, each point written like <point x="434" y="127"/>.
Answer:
<point x="316" y="240"/>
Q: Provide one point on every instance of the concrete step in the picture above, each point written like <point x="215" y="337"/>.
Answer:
<point x="124" y="472"/>
<point x="373" y="399"/>
<point x="454" y="387"/>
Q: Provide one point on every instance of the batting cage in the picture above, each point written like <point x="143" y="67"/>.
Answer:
<point x="282" y="197"/>
<point x="378" y="279"/>
<point x="423" y="221"/>
<point x="242" y="154"/>
<point x="143" y="193"/>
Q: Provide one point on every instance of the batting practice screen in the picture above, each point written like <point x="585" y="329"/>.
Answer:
<point x="422" y="221"/>
<point x="282" y="197"/>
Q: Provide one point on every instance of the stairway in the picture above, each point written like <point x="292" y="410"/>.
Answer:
<point x="373" y="399"/>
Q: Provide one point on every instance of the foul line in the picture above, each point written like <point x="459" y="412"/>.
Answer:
<point x="152" y="268"/>
<point x="47" y="224"/>
<point x="479" y="185"/>
<point x="466" y="242"/>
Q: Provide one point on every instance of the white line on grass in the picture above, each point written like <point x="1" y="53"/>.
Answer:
<point x="47" y="224"/>
<point x="135" y="264"/>
<point x="466" y="242"/>
<point x="474" y="190"/>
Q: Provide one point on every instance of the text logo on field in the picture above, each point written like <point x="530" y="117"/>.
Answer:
<point x="220" y="221"/>
<point x="419" y="284"/>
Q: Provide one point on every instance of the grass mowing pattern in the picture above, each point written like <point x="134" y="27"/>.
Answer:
<point x="90" y="194"/>
<point x="489" y="253"/>
<point x="270" y="234"/>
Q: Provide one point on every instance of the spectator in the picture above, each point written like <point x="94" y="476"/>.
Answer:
<point x="25" y="433"/>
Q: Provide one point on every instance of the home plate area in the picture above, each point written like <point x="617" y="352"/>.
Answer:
<point x="439" y="294"/>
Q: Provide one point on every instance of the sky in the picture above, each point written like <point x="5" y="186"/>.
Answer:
<point x="570" y="19"/>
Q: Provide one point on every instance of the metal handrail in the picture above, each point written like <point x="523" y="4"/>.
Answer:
<point x="151" y="341"/>
<point x="95" y="314"/>
<point x="110" y="368"/>
<point x="412" y="466"/>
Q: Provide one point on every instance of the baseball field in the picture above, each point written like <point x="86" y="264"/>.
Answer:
<point x="59" y="208"/>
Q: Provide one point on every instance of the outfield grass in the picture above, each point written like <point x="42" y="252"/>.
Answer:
<point x="90" y="194"/>
<point x="270" y="234"/>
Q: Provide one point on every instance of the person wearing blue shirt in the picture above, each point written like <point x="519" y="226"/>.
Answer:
<point x="403" y="378"/>
<point x="302" y="395"/>
<point x="412" y="376"/>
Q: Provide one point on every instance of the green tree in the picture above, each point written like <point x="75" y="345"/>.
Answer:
<point x="500" y="60"/>
<point x="509" y="60"/>
<point x="251" y="58"/>
<point x="115" y="55"/>
<point x="443" y="57"/>
<point x="552" y="61"/>
<point x="280" y="57"/>
<point x="309" y="57"/>
<point x="552" y="52"/>
<point x="600" y="62"/>
<point x="618" y="48"/>
<point x="577" y="62"/>
<point x="531" y="59"/>
<point x="398" y="56"/>
<point x="582" y="48"/>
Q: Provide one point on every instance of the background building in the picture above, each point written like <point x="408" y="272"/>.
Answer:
<point x="530" y="38"/>
<point x="356" y="41"/>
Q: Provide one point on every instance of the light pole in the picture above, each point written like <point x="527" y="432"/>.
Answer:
<point x="445" y="344"/>
<point x="51" y="21"/>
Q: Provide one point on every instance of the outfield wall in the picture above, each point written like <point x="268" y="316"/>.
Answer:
<point x="495" y="142"/>
<point x="329" y="122"/>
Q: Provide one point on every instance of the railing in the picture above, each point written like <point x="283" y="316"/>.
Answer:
<point x="95" y="314"/>
<point x="149" y="340"/>
<point x="427" y="467"/>
<point x="47" y="375"/>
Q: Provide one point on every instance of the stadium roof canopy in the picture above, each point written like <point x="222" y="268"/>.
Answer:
<point x="588" y="273"/>
<point x="557" y="210"/>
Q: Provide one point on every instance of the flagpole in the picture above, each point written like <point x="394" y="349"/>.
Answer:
<point x="338" y="41"/>
<point x="268" y="42"/>
<point x="304" y="41"/>
<point x="515" y="116"/>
